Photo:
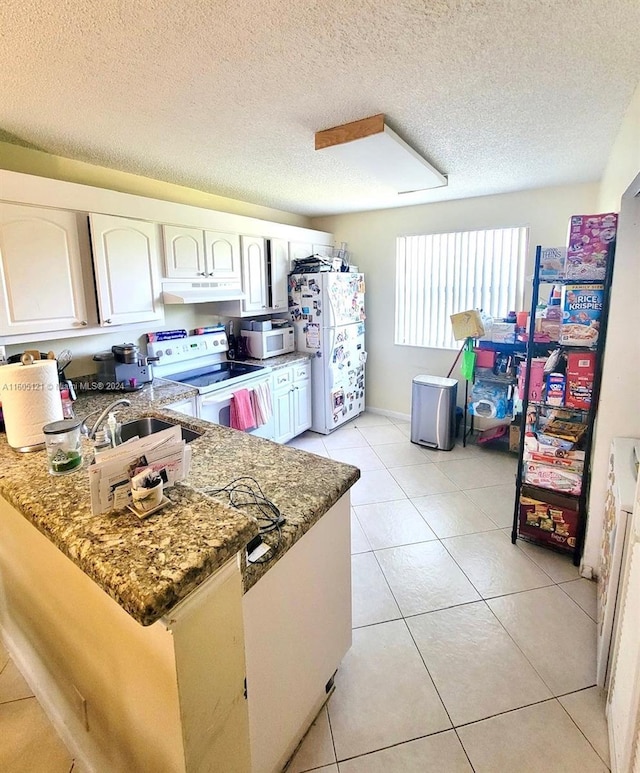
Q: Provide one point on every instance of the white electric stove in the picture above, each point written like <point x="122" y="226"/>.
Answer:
<point x="201" y="362"/>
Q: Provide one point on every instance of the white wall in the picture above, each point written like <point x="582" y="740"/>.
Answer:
<point x="619" y="409"/>
<point x="623" y="163"/>
<point x="371" y="239"/>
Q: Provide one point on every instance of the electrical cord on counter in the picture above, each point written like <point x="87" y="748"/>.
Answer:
<point x="242" y="495"/>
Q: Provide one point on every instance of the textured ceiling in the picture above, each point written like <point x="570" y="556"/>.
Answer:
<point x="501" y="95"/>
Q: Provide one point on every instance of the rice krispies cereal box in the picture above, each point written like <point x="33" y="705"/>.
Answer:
<point x="581" y="310"/>
<point x="588" y="245"/>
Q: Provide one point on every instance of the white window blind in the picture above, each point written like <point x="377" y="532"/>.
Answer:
<point x="441" y="274"/>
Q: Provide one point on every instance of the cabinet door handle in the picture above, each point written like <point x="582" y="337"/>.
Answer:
<point x="212" y="273"/>
<point x="107" y="322"/>
<point x="84" y="323"/>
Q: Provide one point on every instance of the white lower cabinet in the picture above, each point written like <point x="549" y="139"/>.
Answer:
<point x="297" y="629"/>
<point x="291" y="401"/>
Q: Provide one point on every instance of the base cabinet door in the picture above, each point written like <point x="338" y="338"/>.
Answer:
<point x="301" y="407"/>
<point x="41" y="282"/>
<point x="283" y="411"/>
<point x="291" y="401"/>
<point x="126" y="262"/>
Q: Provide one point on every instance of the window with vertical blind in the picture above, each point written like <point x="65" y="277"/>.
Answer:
<point x="441" y="274"/>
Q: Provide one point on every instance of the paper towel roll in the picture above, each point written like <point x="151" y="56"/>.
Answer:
<point x="30" y="397"/>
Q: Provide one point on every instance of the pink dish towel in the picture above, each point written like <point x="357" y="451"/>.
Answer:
<point x="242" y="416"/>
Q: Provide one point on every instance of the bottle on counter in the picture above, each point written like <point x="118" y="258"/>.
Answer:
<point x="67" y="404"/>
<point x="101" y="443"/>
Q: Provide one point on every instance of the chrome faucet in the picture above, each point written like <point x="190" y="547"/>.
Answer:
<point x="101" y="418"/>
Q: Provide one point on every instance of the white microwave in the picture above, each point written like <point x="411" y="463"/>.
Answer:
<point x="269" y="343"/>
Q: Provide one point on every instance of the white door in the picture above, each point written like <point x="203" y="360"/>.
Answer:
<point x="344" y="373"/>
<point x="283" y="415"/>
<point x="125" y="255"/>
<point x="282" y="399"/>
<point x="254" y="279"/>
<point x="41" y="286"/>
<point x="279" y="262"/>
<point x="301" y="396"/>
<point x="183" y="251"/>
<point x="343" y="298"/>
<point x="223" y="255"/>
<point x="301" y="406"/>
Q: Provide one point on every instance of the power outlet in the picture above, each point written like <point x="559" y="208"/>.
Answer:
<point x="3" y="355"/>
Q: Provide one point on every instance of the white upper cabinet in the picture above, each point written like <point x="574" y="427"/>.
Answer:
<point x="126" y="260"/>
<point x="279" y="266"/>
<point x="254" y="274"/>
<point x="191" y="253"/>
<point x="184" y="251"/>
<point x="41" y="282"/>
<point x="222" y="255"/>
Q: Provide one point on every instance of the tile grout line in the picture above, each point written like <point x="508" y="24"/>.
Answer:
<point x="606" y="764"/>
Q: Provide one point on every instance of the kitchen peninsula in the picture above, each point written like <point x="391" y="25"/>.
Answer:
<point x="137" y="635"/>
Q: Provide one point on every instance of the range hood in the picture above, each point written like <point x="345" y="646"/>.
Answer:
<point x="201" y="292"/>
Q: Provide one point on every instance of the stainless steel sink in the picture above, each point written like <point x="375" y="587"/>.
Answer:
<point x="147" y="425"/>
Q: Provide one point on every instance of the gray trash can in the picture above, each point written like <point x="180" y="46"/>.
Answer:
<point x="433" y="411"/>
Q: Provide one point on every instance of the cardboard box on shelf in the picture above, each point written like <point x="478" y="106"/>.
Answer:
<point x="503" y="332"/>
<point x="588" y="247"/>
<point x="467" y="324"/>
<point x="552" y="524"/>
<point x="485" y="358"/>
<point x="581" y="311"/>
<point x="580" y="373"/>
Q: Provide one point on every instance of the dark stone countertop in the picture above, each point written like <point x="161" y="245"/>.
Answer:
<point x="147" y="566"/>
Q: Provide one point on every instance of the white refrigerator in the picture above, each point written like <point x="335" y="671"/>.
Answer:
<point x="327" y="310"/>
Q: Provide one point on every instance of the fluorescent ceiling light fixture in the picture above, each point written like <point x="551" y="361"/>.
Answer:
<point x="372" y="147"/>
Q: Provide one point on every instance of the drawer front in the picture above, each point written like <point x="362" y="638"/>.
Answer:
<point x="301" y="372"/>
<point x="282" y="378"/>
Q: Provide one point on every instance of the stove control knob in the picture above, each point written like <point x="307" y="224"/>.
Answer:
<point x="216" y="343"/>
<point x="169" y="351"/>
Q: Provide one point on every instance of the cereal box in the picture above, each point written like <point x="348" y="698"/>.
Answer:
<point x="589" y="240"/>
<point x="552" y="260"/>
<point x="581" y="310"/>
<point x="548" y="523"/>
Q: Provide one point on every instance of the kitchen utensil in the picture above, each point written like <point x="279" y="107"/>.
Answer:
<point x="64" y="359"/>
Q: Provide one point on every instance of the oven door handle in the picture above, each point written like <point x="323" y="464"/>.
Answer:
<point x="221" y="397"/>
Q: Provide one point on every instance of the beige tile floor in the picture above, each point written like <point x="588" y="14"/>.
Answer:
<point x="469" y="654"/>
